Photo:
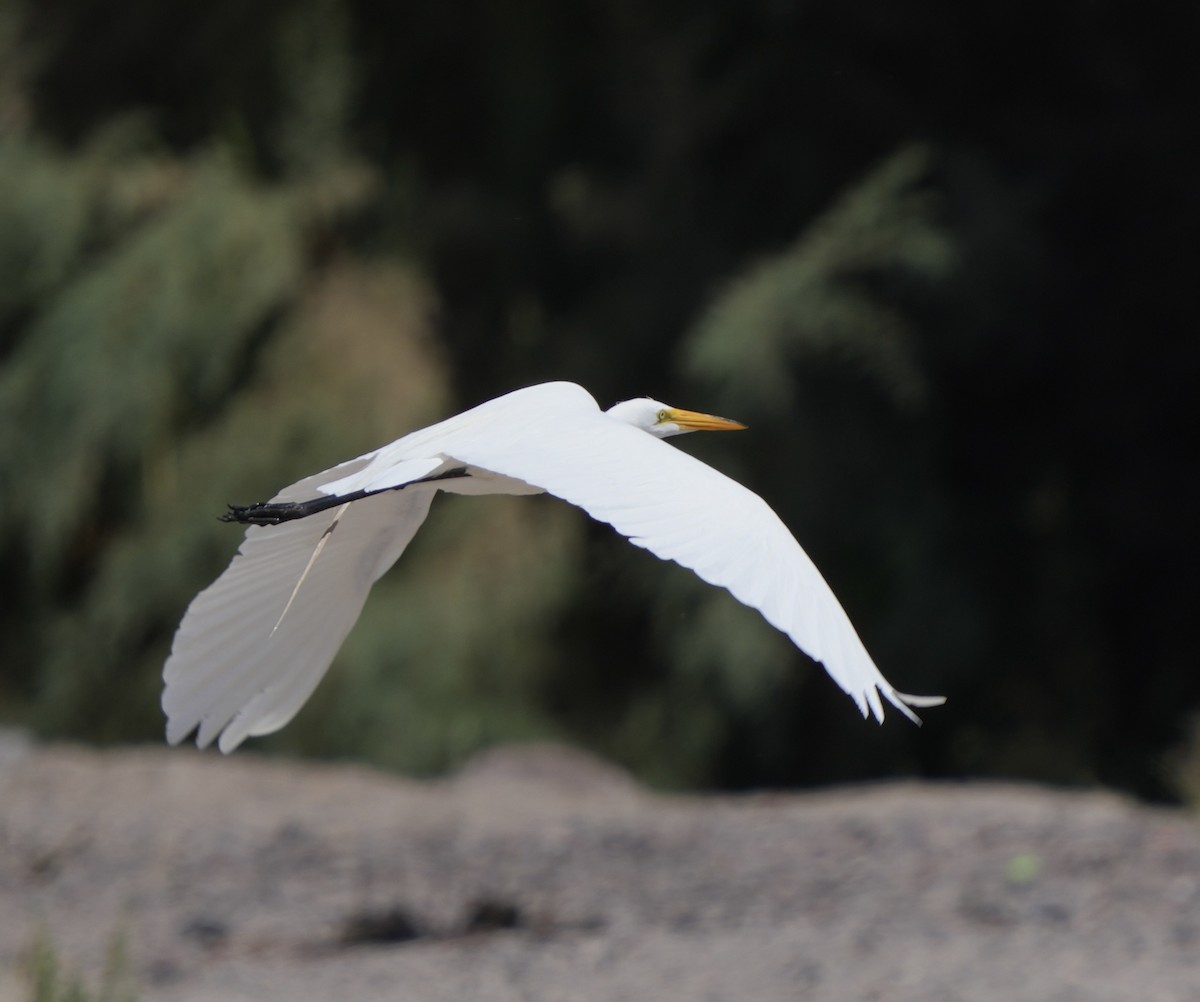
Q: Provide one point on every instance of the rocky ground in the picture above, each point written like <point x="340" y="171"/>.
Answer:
<point x="541" y="874"/>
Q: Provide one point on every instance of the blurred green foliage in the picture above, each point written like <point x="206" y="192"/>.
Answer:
<point x="821" y="297"/>
<point x="239" y="243"/>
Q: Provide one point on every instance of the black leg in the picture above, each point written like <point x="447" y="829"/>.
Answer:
<point x="274" y="512"/>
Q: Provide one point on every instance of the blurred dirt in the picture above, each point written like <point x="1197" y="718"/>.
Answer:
<point x="541" y="874"/>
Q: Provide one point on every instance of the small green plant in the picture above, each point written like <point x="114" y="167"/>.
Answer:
<point x="1023" y="868"/>
<point x="52" y="981"/>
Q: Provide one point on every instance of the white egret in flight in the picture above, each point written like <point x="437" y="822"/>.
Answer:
<point x="254" y="644"/>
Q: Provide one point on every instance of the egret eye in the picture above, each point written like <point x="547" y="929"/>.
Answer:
<point x="664" y="416"/>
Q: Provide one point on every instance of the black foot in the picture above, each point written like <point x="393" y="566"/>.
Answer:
<point x="274" y="512"/>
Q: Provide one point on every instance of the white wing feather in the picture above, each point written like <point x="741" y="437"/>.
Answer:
<point x="680" y="509"/>
<point x="236" y="668"/>
<point x="240" y="666"/>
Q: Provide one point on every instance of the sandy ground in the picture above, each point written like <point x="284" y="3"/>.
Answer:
<point x="541" y="874"/>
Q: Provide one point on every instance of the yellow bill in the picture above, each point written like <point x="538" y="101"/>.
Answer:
<point x="695" y="421"/>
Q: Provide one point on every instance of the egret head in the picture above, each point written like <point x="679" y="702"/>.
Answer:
<point x="663" y="421"/>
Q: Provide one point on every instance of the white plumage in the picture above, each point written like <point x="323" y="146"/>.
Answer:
<point x="254" y="644"/>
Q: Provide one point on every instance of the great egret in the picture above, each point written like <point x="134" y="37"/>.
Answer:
<point x="254" y="644"/>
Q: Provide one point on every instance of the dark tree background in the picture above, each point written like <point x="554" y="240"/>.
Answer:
<point x="938" y="257"/>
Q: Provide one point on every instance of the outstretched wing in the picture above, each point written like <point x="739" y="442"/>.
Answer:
<point x="254" y="644"/>
<point x="680" y="509"/>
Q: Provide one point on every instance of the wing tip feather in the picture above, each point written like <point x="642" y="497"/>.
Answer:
<point x="904" y="701"/>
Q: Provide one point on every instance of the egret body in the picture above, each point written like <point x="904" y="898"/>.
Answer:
<point x="254" y="644"/>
